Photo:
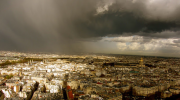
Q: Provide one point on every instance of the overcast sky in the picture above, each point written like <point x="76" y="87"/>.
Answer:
<point x="146" y="27"/>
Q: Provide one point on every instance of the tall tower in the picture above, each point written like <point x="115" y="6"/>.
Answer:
<point x="141" y="62"/>
<point x="20" y="73"/>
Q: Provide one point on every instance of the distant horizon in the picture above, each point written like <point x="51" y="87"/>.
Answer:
<point x="103" y="54"/>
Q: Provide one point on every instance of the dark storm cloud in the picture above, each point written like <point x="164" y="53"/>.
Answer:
<point x="41" y="25"/>
<point x="124" y="17"/>
<point x="113" y="22"/>
<point x="61" y="26"/>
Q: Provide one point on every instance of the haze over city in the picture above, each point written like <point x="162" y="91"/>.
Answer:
<point x="140" y="27"/>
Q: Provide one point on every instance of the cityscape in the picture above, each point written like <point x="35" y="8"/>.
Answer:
<point x="89" y="49"/>
<point x="30" y="76"/>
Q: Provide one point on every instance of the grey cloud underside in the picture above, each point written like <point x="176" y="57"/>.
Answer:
<point x="118" y="23"/>
<point x="62" y="26"/>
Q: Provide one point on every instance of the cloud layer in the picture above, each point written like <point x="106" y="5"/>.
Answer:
<point x="66" y="26"/>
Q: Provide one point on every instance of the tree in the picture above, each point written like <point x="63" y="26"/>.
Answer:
<point x="9" y="76"/>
